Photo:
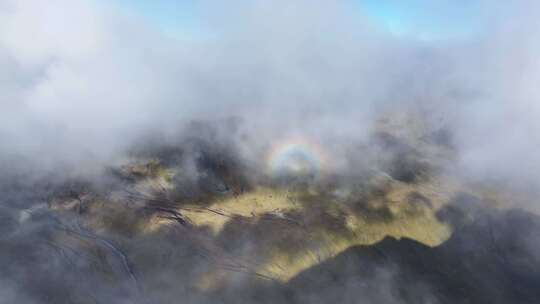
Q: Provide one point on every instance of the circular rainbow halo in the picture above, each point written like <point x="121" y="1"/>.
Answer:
<point x="296" y="157"/>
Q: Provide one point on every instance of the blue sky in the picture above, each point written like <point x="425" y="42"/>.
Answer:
<point x="177" y="18"/>
<point x="426" y="19"/>
<point x="420" y="19"/>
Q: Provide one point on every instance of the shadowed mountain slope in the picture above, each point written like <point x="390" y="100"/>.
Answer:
<point x="494" y="258"/>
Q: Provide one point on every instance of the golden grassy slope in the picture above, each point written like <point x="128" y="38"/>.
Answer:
<point x="321" y="242"/>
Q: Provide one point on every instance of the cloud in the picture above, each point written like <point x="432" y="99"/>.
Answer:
<point x="82" y="85"/>
<point x="81" y="82"/>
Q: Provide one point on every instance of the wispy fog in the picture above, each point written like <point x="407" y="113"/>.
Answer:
<point x="86" y="88"/>
<point x="80" y="82"/>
